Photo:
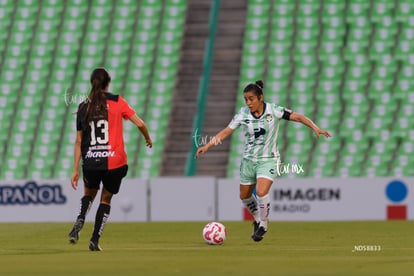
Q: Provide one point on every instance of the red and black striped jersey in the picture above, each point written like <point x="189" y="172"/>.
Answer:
<point x="102" y="144"/>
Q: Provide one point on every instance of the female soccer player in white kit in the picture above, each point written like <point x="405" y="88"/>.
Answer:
<point x="260" y="122"/>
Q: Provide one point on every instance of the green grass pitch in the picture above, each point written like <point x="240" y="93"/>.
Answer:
<point x="177" y="248"/>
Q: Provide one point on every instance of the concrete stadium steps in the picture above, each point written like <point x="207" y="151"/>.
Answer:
<point x="223" y="89"/>
<point x="184" y="106"/>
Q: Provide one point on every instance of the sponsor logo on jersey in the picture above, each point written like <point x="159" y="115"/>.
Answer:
<point x="99" y="154"/>
<point x="259" y="132"/>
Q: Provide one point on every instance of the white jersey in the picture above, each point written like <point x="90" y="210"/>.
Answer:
<point x="261" y="132"/>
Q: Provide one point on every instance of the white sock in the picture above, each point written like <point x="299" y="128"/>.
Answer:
<point x="264" y="206"/>
<point x="251" y="205"/>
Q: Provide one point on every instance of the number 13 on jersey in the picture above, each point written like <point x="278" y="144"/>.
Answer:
<point x="99" y="132"/>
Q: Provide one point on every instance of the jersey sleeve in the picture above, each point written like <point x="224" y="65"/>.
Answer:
<point x="281" y="112"/>
<point x="126" y="110"/>
<point x="236" y="121"/>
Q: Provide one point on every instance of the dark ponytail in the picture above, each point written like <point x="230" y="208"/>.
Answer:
<point x="256" y="87"/>
<point x="100" y="79"/>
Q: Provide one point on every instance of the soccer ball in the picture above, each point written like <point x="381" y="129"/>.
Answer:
<point x="214" y="233"/>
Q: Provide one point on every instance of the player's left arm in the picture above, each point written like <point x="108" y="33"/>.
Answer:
<point x="142" y="128"/>
<point x="128" y="113"/>
<point x="296" y="117"/>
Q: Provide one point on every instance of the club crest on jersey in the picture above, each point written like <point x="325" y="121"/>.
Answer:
<point x="269" y="117"/>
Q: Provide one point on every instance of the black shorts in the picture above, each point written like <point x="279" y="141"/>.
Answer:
<point x="111" y="179"/>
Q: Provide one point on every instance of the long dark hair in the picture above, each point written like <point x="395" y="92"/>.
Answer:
<point x="256" y="87"/>
<point x="100" y="79"/>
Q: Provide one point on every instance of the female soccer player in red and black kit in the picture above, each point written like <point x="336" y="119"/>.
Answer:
<point x="99" y="141"/>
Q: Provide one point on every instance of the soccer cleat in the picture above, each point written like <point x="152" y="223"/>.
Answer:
<point x="258" y="234"/>
<point x="74" y="233"/>
<point x="255" y="227"/>
<point x="94" y="246"/>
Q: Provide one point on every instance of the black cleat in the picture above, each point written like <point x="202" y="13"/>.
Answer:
<point x="94" y="246"/>
<point x="258" y="234"/>
<point x="255" y="227"/>
<point x="74" y="233"/>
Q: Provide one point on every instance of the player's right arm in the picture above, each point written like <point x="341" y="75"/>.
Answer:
<point x="217" y="139"/>
<point x="223" y="134"/>
<point x="76" y="159"/>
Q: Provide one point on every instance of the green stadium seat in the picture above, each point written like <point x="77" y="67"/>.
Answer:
<point x="401" y="129"/>
<point x="331" y="73"/>
<point x="283" y="8"/>
<point x="348" y="168"/>
<point x="404" y="10"/>
<point x="381" y="9"/>
<point x="11" y="173"/>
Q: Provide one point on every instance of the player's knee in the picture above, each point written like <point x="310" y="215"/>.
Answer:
<point x="245" y="195"/>
<point x="242" y="197"/>
<point x="261" y="193"/>
<point x="106" y="197"/>
<point x="246" y="191"/>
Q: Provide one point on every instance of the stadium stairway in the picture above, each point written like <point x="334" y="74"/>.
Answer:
<point x="184" y="102"/>
<point x="223" y="89"/>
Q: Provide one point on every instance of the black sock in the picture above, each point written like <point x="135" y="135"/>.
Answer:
<point x="86" y="202"/>
<point x="101" y="218"/>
